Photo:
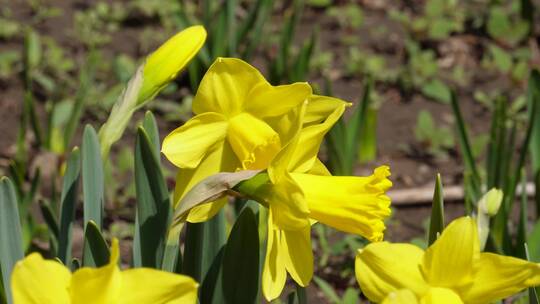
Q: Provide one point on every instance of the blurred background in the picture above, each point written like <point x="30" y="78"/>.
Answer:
<point x="63" y="63"/>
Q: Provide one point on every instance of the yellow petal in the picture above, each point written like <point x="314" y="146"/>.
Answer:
<point x="437" y="295"/>
<point x="402" y="296"/>
<point x="38" y="281"/>
<point x="449" y="262"/>
<point x="283" y="196"/>
<point x="253" y="141"/>
<point x="98" y="285"/>
<point x="265" y="100"/>
<point x="356" y="205"/>
<point x="499" y="277"/>
<point x="320" y="107"/>
<point x="145" y="285"/>
<point x="164" y="64"/>
<point x="274" y="272"/>
<point x="382" y="268"/>
<point x="311" y="138"/>
<point x="286" y="200"/>
<point x="287" y="126"/>
<point x="298" y="254"/>
<point x="225" y="87"/>
<point x="281" y="162"/>
<point x="221" y="159"/>
<point x="319" y="169"/>
<point x="186" y="146"/>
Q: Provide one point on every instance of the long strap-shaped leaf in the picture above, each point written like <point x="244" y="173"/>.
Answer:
<point x="203" y="256"/>
<point x="240" y="276"/>
<point x="466" y="148"/>
<point x="70" y="191"/>
<point x="92" y="174"/>
<point x="96" y="252"/>
<point x="11" y="249"/>
<point x="93" y="189"/>
<point x="436" y="224"/>
<point x="153" y="205"/>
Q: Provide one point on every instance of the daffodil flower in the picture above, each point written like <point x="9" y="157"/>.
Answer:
<point x="301" y="191"/>
<point x="38" y="281"/>
<point x="240" y="123"/>
<point x="452" y="270"/>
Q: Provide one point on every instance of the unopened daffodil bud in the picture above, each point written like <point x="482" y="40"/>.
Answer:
<point x="160" y="68"/>
<point x="491" y="202"/>
<point x="488" y="206"/>
<point x="164" y="64"/>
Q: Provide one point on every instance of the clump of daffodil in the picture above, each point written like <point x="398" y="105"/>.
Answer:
<point x="38" y="281"/>
<point x="452" y="270"/>
<point x="159" y="68"/>
<point x="300" y="191"/>
<point x="240" y="123"/>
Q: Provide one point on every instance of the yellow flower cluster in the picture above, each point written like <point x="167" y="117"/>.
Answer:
<point x="451" y="271"/>
<point x="243" y="123"/>
<point x="38" y="281"/>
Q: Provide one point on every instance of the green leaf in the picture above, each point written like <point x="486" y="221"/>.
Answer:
<point x="3" y="299"/>
<point x="219" y="39"/>
<point x="92" y="178"/>
<point x="95" y="252"/>
<point x="510" y="190"/>
<point x="537" y="193"/>
<point x="86" y="80"/>
<point x="503" y="60"/>
<point x="301" y="65"/>
<point x="368" y="136"/>
<point x="521" y="238"/>
<point x="50" y="219"/>
<point x="264" y="11"/>
<point x="70" y="194"/>
<point x="327" y="289"/>
<point x="203" y="255"/>
<point x="533" y="96"/>
<point x="153" y="205"/>
<point x="319" y="3"/>
<point x="534" y="243"/>
<point x="11" y="248"/>
<point x="466" y="150"/>
<point x="301" y="294"/>
<point x="496" y="140"/>
<point x="32" y="49"/>
<point x="240" y="275"/>
<point x="533" y="293"/>
<point x="441" y="28"/>
<point x="425" y="126"/>
<point x="231" y="7"/>
<point x="436" y="224"/>
<point x="151" y="129"/>
<point x="172" y="259"/>
<point x="350" y="296"/>
<point x="437" y="90"/>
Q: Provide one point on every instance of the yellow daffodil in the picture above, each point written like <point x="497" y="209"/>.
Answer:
<point x="240" y="123"/>
<point x="38" y="281"/>
<point x="302" y="191"/>
<point x="452" y="270"/>
<point x="159" y="68"/>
